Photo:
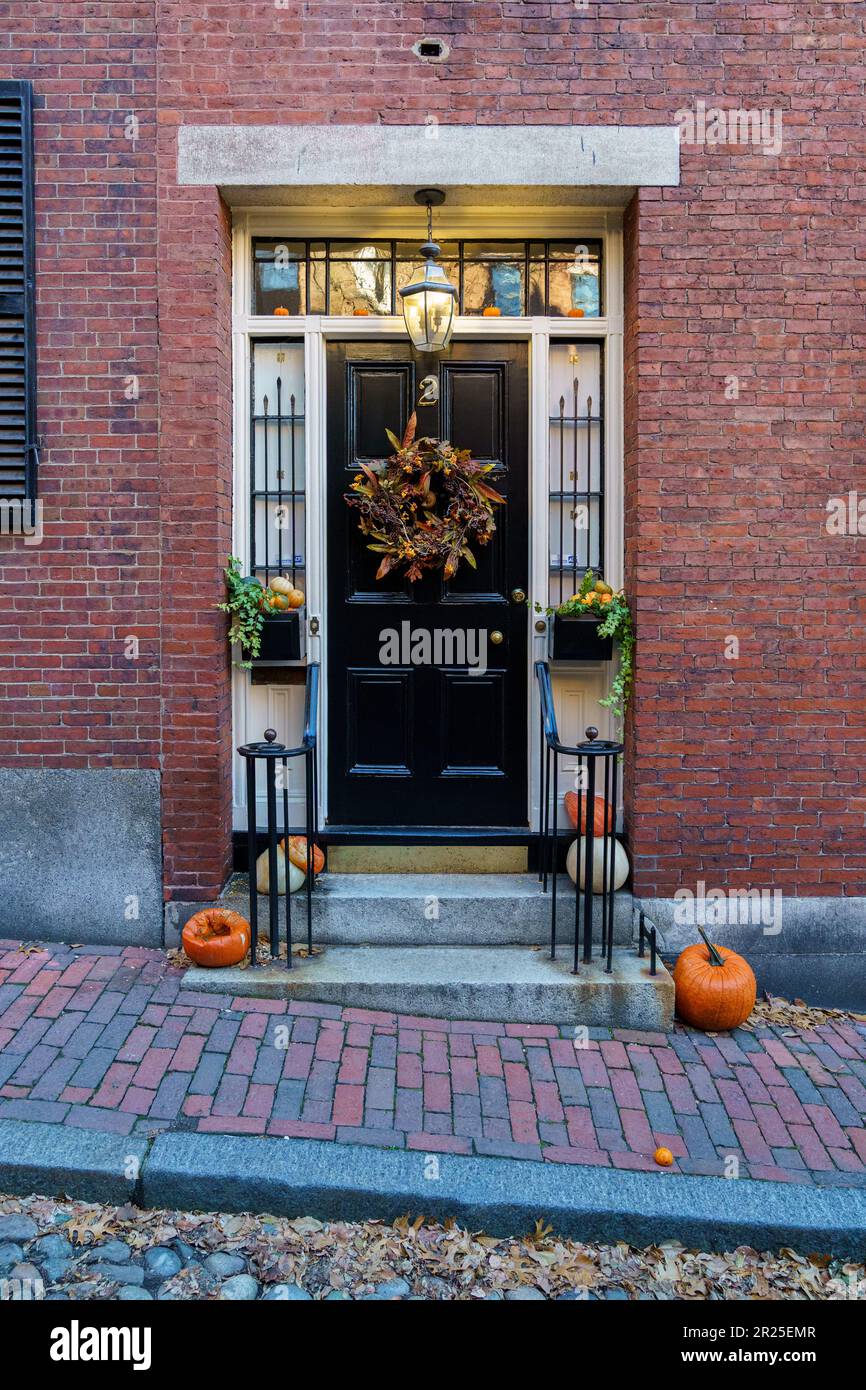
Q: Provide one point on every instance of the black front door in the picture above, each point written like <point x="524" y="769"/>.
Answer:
<point x="412" y="742"/>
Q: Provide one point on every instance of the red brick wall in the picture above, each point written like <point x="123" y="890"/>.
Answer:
<point x="196" y="467"/>
<point x="70" y="695"/>
<point x="742" y="771"/>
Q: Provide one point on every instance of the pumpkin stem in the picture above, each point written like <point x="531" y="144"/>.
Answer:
<point x="715" y="958"/>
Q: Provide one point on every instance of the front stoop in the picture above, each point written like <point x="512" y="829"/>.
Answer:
<point x="420" y="909"/>
<point x="451" y="946"/>
<point x="463" y="982"/>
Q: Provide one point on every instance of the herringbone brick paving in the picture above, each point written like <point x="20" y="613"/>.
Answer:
<point x="102" y="1037"/>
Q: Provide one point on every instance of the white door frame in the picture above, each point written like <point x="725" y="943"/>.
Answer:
<point x="317" y="330"/>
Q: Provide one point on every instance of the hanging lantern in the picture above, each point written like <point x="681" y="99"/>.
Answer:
<point x="429" y="303"/>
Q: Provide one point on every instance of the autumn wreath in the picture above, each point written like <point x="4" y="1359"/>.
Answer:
<point x="423" y="505"/>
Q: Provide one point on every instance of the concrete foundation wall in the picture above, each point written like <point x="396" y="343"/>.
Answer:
<point x="804" y="948"/>
<point x="80" y="855"/>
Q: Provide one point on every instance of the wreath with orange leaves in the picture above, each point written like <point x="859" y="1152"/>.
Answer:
<point x="423" y="506"/>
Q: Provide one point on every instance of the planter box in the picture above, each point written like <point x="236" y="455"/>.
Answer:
<point x="577" y="639"/>
<point x="281" y="638"/>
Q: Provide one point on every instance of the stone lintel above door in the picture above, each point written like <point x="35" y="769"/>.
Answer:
<point x="376" y="164"/>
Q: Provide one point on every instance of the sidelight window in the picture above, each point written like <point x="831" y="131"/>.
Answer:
<point x="278" y="472"/>
<point x="576" y="473"/>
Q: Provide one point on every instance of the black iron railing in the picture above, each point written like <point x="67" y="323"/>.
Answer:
<point x="595" y="776"/>
<point x="647" y="934"/>
<point x="273" y="754"/>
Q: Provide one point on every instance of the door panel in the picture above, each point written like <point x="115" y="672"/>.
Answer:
<point x="377" y="393"/>
<point x="379" y="723"/>
<point x="474" y="401"/>
<point x="472" y="727"/>
<point x="427" y="717"/>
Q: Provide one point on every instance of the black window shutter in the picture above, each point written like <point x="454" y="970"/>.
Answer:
<point x="18" y="453"/>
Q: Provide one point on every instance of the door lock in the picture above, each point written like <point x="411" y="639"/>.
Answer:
<point x="518" y="596"/>
<point x="496" y="638"/>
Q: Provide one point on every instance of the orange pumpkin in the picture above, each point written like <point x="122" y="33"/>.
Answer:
<point x="600" y="807"/>
<point x="298" y="854"/>
<point x="216" y="937"/>
<point x="491" y="312"/>
<point x="663" y="1157"/>
<point x="281" y="313"/>
<point x="575" y="313"/>
<point x="715" y="987"/>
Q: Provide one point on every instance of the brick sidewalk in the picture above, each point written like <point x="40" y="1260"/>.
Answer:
<point x="102" y="1038"/>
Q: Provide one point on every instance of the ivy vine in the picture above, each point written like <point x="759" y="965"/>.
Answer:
<point x="597" y="599"/>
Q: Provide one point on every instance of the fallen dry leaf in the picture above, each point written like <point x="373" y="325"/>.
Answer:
<point x="794" y="1014"/>
<point x="440" y="1261"/>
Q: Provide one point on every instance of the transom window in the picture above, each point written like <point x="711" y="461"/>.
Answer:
<point x="557" y="279"/>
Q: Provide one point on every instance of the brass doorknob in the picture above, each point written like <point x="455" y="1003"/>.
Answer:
<point x="496" y="638"/>
<point x="518" y="596"/>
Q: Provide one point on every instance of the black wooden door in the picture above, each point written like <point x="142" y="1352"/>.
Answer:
<point x="418" y="743"/>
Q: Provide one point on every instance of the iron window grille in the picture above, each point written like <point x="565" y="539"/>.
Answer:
<point x="577" y="473"/>
<point x="516" y="278"/>
<point x="277" y="469"/>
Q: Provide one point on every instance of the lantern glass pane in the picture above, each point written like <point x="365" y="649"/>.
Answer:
<point x="410" y="267"/>
<point x="429" y="313"/>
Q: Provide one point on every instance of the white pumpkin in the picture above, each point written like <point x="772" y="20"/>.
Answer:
<point x="620" y="863"/>
<point x="296" y="875"/>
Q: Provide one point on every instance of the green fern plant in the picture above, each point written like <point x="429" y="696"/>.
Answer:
<point x="244" y="607"/>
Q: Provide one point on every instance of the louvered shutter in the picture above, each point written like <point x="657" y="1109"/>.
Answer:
<point x="18" y="455"/>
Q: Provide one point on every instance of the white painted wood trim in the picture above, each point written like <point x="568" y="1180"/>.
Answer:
<point x="452" y="222"/>
<point x="240" y="482"/>
<point x="539" y="539"/>
<point x="315" y="394"/>
<point x="316" y="331"/>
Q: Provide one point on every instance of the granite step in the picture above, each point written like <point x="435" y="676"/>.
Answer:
<point x="463" y="982"/>
<point x="433" y="910"/>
